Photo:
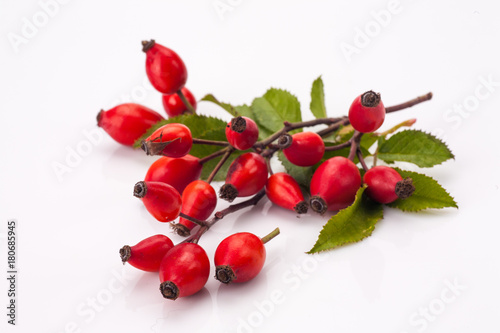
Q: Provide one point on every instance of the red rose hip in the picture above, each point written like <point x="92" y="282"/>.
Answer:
<point x="148" y="253"/>
<point x="126" y="123"/>
<point x="334" y="185"/>
<point x="307" y="149"/>
<point x="242" y="133"/>
<point x="184" y="271"/>
<point x="240" y="257"/>
<point x="198" y="201"/>
<point x="247" y="175"/>
<point x="173" y="140"/>
<point x="165" y="69"/>
<point x="177" y="172"/>
<point x="385" y="185"/>
<point x="285" y="192"/>
<point x="174" y="106"/>
<point x="367" y="112"/>
<point x="161" y="200"/>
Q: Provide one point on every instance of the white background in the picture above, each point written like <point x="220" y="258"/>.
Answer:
<point x="87" y="56"/>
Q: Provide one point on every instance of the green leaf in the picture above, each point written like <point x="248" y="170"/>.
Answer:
<point x="302" y="175"/>
<point x="350" y="225"/>
<point x="422" y="149"/>
<point x="202" y="127"/>
<point x="275" y="107"/>
<point x="228" y="107"/>
<point x="317" y="105"/>
<point x="428" y="194"/>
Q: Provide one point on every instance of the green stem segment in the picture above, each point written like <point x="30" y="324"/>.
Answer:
<point x="270" y="236"/>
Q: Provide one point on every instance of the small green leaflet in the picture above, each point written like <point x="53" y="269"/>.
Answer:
<point x="422" y="149"/>
<point x="428" y="194"/>
<point x="317" y="105"/>
<point x="202" y="127"/>
<point x="275" y="107"/>
<point x="350" y="225"/>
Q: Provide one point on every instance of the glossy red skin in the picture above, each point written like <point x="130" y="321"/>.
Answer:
<point x="162" y="201"/>
<point x="307" y="149"/>
<point x="283" y="190"/>
<point x="248" y="174"/>
<point x="246" y="139"/>
<point x="366" y="119"/>
<point x="187" y="265"/>
<point x="165" y="69"/>
<point x="336" y="181"/>
<point x="381" y="181"/>
<point x="198" y="200"/>
<point x="179" y="134"/>
<point x="244" y="253"/>
<point x="126" y="123"/>
<point x="148" y="253"/>
<point x="173" y="104"/>
<point x="177" y="172"/>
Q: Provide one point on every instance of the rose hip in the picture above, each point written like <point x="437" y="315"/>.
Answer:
<point x="148" y="253"/>
<point x="126" y="123"/>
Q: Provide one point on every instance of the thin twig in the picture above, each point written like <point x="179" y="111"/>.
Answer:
<point x="212" y="156"/>
<point x="338" y="147"/>
<point x="356" y="138"/>
<point x="361" y="159"/>
<point x="210" y="142"/>
<point x="220" y="164"/>
<point x="409" y="103"/>
<point x="223" y="213"/>
<point x="193" y="219"/>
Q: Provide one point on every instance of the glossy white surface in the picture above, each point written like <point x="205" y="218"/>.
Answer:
<point x="86" y="56"/>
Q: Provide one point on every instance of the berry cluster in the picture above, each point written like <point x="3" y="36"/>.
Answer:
<point x="172" y="187"/>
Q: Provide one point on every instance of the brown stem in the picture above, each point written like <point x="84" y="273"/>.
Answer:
<point x="356" y="138"/>
<point x="223" y="213"/>
<point x="333" y="127"/>
<point x="361" y="159"/>
<point x="212" y="156"/>
<point x="184" y="100"/>
<point x="210" y="142"/>
<point x="291" y="126"/>
<point x="409" y="103"/>
<point x="220" y="164"/>
<point x="268" y="163"/>
<point x="338" y="147"/>
<point x="193" y="219"/>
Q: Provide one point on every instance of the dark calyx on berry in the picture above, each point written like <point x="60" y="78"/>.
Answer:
<point x="228" y="192"/>
<point x="301" y="207"/>
<point x="405" y="188"/>
<point x="318" y="204"/>
<point x="146" y="45"/>
<point x="370" y="99"/>
<point x="238" y="124"/>
<point x="285" y="141"/>
<point x="169" y="290"/>
<point x="180" y="229"/>
<point x="125" y="253"/>
<point x="224" y="274"/>
<point x="152" y="148"/>
<point x="140" y="189"/>
<point x="99" y="116"/>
